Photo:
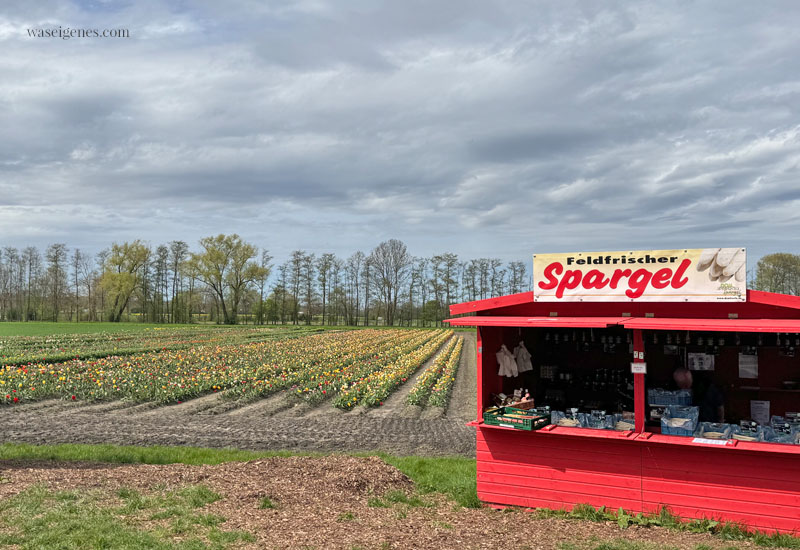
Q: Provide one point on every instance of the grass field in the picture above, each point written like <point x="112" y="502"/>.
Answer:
<point x="45" y="328"/>
<point x="42" y="328"/>
<point x="41" y="517"/>
<point x="58" y="347"/>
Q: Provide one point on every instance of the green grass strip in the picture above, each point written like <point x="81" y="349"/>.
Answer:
<point x="72" y="520"/>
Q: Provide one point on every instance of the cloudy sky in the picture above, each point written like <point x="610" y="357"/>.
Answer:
<point x="485" y="128"/>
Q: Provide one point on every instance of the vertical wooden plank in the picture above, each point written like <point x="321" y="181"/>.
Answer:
<point x="639" y="407"/>
<point x="479" y="366"/>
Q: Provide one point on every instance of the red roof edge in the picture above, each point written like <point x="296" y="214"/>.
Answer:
<point x="773" y="299"/>
<point x="491" y="303"/>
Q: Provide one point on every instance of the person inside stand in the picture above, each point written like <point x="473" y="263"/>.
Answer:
<point x="705" y="394"/>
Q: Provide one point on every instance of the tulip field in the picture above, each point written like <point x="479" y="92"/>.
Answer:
<point x="16" y="350"/>
<point x="359" y="367"/>
<point x="434" y="385"/>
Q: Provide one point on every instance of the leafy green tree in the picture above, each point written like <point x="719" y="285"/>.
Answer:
<point x="227" y="267"/>
<point x="778" y="273"/>
<point x="121" y="275"/>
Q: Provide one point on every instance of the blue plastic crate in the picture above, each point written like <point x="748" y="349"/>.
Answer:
<point x="689" y="414"/>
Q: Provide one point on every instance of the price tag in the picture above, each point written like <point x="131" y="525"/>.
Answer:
<point x="705" y="441"/>
<point x="639" y="368"/>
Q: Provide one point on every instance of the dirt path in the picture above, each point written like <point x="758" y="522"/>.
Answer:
<point x="463" y="402"/>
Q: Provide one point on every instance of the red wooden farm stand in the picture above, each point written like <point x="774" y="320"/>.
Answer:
<point x="754" y="484"/>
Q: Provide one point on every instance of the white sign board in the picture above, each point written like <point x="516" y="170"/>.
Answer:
<point x="691" y="275"/>
<point x="700" y="361"/>
<point x="639" y="368"/>
<point x="759" y="411"/>
<point x="748" y="365"/>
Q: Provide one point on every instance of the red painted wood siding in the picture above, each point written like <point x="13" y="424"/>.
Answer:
<point x="759" y="489"/>
<point x="552" y="470"/>
<point x="547" y="470"/>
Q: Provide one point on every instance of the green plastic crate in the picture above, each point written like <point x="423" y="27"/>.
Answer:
<point x="523" y="420"/>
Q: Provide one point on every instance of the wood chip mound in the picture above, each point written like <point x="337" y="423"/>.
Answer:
<point x="329" y="503"/>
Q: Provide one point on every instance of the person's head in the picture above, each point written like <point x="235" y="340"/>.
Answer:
<point x="683" y="378"/>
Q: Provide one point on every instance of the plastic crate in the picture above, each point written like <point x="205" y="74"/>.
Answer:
<point x="714" y="430"/>
<point x="622" y="424"/>
<point x="755" y="433"/>
<point x="686" y="416"/>
<point x="659" y="396"/>
<point x="510" y="417"/>
<point x="779" y="434"/>
<point x="599" y="420"/>
<point x="558" y="416"/>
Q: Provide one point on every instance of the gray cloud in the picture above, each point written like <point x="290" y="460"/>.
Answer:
<point x="487" y="128"/>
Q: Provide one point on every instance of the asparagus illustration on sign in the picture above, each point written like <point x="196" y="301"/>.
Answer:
<point x="723" y="263"/>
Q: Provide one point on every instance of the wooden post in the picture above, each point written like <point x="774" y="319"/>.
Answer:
<point x="639" y="408"/>
<point x="479" y="366"/>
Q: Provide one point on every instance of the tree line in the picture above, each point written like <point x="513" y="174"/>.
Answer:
<point x="227" y="280"/>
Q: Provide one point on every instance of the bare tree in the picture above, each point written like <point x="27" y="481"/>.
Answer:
<point x="87" y="279"/>
<point x="56" y="256"/>
<point x="392" y="261"/>
<point x="101" y="258"/>
<point x="366" y="278"/>
<point x="308" y="283"/>
<point x="279" y="290"/>
<point x="421" y="270"/>
<point x="353" y="271"/>
<point x="324" y="266"/>
<point x="516" y="277"/>
<point x="178" y="251"/>
<point x="77" y="258"/>
<point x="266" y="269"/>
<point x="337" y="298"/>
<point x="496" y="277"/>
<point x="296" y="281"/>
<point x="33" y="265"/>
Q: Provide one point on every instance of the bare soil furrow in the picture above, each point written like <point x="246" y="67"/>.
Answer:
<point x="138" y="410"/>
<point x="464" y="401"/>
<point x="40" y="405"/>
<point x="263" y="407"/>
<point x="103" y="407"/>
<point x="191" y="407"/>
